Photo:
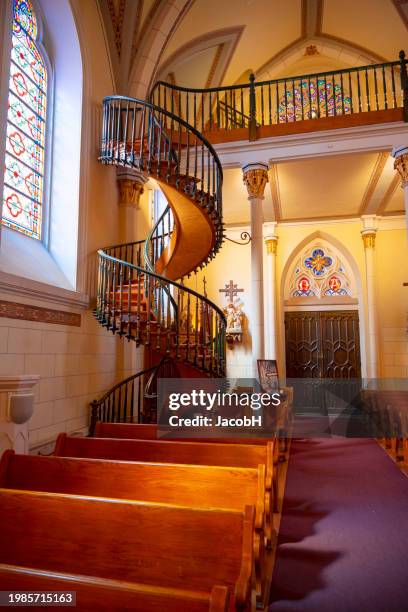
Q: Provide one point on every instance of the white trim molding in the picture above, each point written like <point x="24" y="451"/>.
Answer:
<point x="26" y="288"/>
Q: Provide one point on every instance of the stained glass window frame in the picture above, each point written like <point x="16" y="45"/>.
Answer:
<point x="318" y="264"/>
<point x="37" y="167"/>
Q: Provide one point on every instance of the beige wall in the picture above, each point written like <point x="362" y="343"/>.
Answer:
<point x="76" y="364"/>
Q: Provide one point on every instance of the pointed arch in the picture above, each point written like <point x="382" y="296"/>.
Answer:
<point x="328" y="47"/>
<point x="320" y="270"/>
<point x="337" y="244"/>
<point x="358" y="303"/>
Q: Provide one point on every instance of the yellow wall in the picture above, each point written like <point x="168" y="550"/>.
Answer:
<point x="392" y="266"/>
<point x="391" y="261"/>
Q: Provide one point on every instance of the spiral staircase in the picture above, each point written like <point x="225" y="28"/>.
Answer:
<point x="141" y="294"/>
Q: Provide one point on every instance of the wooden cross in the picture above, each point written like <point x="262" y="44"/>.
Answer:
<point x="231" y="290"/>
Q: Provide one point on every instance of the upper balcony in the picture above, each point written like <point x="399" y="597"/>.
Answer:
<point x="365" y="95"/>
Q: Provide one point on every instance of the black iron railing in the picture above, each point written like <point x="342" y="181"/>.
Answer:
<point x="134" y="302"/>
<point x="133" y="299"/>
<point x="158" y="240"/>
<point x="133" y="400"/>
<point x="141" y="135"/>
<point x="328" y="94"/>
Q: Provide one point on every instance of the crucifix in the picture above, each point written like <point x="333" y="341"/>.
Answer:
<point x="231" y="290"/>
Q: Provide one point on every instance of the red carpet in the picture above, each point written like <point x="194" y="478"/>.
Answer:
<point x="343" y="541"/>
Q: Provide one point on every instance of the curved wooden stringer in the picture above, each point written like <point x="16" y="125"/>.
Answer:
<point x="139" y="293"/>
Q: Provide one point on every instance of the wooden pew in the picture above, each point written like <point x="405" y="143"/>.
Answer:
<point x="388" y="409"/>
<point x="160" y="451"/>
<point x="182" y="485"/>
<point x="136" y="431"/>
<point x="148" y="431"/>
<point x="165" y="546"/>
<point x="112" y="595"/>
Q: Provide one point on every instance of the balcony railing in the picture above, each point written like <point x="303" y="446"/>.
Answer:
<point x="377" y="87"/>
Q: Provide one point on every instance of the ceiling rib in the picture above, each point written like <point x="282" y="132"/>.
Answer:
<point x="372" y="184"/>
<point x="388" y="194"/>
<point x="275" y="192"/>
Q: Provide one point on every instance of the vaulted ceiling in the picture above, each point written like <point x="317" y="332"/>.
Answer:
<point x="275" y="38"/>
<point x="211" y="42"/>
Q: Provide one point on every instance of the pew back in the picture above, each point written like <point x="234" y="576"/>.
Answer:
<point x="131" y="541"/>
<point x="149" y="431"/>
<point x="185" y="485"/>
<point x="158" y="451"/>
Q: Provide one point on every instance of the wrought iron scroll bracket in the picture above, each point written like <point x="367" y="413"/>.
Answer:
<point x="245" y="237"/>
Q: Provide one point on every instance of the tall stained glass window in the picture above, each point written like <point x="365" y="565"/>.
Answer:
<point x="23" y="194"/>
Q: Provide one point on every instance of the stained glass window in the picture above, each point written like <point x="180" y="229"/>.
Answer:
<point x="303" y="288"/>
<point x="313" y="98"/>
<point x="23" y="194"/>
<point x="319" y="273"/>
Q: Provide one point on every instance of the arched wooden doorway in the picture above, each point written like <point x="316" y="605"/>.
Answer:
<point x="322" y="326"/>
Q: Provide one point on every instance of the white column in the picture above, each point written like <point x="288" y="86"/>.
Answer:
<point x="255" y="178"/>
<point x="368" y="235"/>
<point x="401" y="165"/>
<point x="271" y="242"/>
<point x="16" y="409"/>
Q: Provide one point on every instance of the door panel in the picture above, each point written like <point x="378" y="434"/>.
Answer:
<point x="340" y="344"/>
<point x="322" y="344"/>
<point x="302" y="345"/>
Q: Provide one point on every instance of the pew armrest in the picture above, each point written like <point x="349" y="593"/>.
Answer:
<point x="245" y="584"/>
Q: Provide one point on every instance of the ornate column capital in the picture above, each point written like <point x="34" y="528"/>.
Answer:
<point x="270" y="237"/>
<point x="271" y="244"/>
<point x="369" y="231"/>
<point x="401" y="164"/>
<point x="131" y="186"/>
<point x="368" y="237"/>
<point x="255" y="177"/>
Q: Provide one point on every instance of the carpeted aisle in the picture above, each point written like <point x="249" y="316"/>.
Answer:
<point x="343" y="541"/>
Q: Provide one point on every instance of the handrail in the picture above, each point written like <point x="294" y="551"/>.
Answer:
<point x="117" y="405"/>
<point x="169" y="115"/>
<point x="150" y="262"/>
<point x="193" y="331"/>
<point x="159" y="277"/>
<point x="289" y="99"/>
<point x="153" y="239"/>
<point x="271" y="81"/>
<point x="142" y="135"/>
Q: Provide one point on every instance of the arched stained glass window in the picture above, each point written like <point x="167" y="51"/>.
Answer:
<point x="319" y="272"/>
<point x="23" y="195"/>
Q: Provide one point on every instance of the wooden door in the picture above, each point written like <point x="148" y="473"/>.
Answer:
<point x="322" y="344"/>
